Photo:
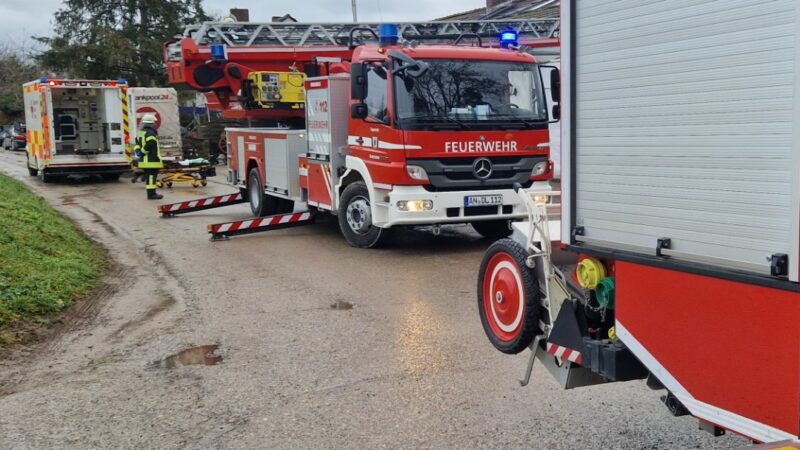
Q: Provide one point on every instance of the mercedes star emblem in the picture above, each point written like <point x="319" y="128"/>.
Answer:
<point x="482" y="168"/>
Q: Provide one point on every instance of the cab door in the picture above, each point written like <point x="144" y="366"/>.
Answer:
<point x="373" y="139"/>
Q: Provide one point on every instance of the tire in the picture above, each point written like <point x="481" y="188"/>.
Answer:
<point x="355" y="218"/>
<point x="510" y="316"/>
<point x="260" y="204"/>
<point x="31" y="171"/>
<point x="492" y="229"/>
<point x="47" y="178"/>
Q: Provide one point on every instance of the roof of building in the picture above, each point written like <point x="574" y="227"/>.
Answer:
<point x="512" y="9"/>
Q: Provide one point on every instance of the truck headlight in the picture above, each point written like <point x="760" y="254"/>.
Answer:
<point x="539" y="169"/>
<point x="415" y="205"/>
<point x="416" y="173"/>
<point x="541" y="199"/>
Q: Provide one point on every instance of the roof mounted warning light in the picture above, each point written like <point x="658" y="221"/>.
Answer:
<point x="218" y="52"/>
<point x="388" y="34"/>
<point x="509" y="38"/>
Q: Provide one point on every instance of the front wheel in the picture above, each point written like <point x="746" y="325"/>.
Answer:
<point x="508" y="297"/>
<point x="355" y="218"/>
<point x="493" y="229"/>
<point x="31" y="171"/>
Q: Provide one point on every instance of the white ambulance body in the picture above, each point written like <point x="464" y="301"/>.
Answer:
<point x="75" y="127"/>
<point x="162" y="103"/>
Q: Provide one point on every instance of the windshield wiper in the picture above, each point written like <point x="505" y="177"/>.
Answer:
<point x="527" y="123"/>
<point x="461" y="123"/>
<point x="433" y="119"/>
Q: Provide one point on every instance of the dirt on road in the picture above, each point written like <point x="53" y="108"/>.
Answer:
<point x="292" y="339"/>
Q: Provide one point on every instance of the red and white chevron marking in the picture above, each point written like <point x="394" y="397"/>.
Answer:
<point x="261" y="222"/>
<point x="219" y="200"/>
<point x="564" y="353"/>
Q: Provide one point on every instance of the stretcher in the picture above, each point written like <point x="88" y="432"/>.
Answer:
<point x="191" y="171"/>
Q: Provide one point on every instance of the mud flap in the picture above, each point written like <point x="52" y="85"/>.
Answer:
<point x="566" y="340"/>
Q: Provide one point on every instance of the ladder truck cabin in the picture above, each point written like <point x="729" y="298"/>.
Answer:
<point x="76" y="127"/>
<point x="680" y="224"/>
<point x="383" y="134"/>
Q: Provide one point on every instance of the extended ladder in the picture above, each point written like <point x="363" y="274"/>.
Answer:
<point x="296" y="34"/>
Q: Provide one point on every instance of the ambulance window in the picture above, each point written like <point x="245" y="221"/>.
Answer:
<point x="377" y="105"/>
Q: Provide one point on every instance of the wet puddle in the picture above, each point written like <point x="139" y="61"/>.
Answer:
<point x="341" y="305"/>
<point x="201" y="355"/>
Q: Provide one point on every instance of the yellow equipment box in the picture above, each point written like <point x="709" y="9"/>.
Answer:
<point x="273" y="90"/>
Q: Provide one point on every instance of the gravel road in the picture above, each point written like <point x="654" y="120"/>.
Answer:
<point x="406" y="366"/>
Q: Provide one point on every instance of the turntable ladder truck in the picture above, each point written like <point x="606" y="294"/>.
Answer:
<point x="679" y="260"/>
<point x="427" y="124"/>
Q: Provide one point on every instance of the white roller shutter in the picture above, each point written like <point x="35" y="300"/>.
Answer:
<point x="686" y="127"/>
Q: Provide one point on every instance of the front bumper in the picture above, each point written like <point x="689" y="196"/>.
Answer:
<point x="448" y="207"/>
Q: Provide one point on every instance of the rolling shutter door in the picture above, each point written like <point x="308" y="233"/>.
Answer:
<point x="685" y="127"/>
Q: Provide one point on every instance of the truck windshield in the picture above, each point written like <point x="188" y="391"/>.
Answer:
<point x="471" y="95"/>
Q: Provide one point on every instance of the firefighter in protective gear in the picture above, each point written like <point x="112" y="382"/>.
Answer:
<point x="150" y="163"/>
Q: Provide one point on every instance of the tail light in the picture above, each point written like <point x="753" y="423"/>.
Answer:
<point x="19" y="137"/>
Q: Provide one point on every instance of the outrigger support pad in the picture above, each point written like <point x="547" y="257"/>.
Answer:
<point x="223" y="231"/>
<point x="200" y="204"/>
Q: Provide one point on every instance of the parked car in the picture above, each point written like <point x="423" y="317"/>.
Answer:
<point x="4" y="133"/>
<point x="13" y="137"/>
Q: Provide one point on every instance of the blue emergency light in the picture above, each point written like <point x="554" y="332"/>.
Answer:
<point x="43" y="79"/>
<point x="218" y="52"/>
<point x="388" y="34"/>
<point x="508" y="38"/>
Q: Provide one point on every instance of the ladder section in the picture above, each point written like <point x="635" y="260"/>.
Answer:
<point x="295" y="34"/>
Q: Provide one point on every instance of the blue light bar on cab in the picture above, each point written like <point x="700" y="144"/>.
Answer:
<point x="508" y="38"/>
<point x="388" y="34"/>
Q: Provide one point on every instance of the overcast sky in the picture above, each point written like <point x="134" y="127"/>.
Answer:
<point x="19" y="19"/>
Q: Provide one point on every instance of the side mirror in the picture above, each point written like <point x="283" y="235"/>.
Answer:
<point x="358" y="110"/>
<point x="556" y="113"/>
<point x="555" y="85"/>
<point x="358" y="81"/>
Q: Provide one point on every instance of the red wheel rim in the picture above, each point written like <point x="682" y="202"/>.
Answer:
<point x="503" y="296"/>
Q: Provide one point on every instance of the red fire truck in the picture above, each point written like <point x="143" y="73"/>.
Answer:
<point x="680" y="225"/>
<point x="382" y="135"/>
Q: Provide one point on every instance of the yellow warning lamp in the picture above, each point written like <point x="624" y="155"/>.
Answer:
<point x="590" y="271"/>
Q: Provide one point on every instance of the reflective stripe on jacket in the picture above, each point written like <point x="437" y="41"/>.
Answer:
<point x="147" y="143"/>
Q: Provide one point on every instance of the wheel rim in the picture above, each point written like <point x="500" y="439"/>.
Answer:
<point x="253" y="188"/>
<point x="358" y="215"/>
<point x="503" y="296"/>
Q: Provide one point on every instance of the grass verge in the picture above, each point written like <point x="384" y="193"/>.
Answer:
<point x="46" y="263"/>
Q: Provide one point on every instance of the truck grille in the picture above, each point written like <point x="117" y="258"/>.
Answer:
<point x="459" y="172"/>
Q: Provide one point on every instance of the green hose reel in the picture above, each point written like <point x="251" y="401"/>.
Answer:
<point x="604" y="293"/>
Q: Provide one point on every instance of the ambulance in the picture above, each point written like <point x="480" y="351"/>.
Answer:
<point x="76" y="127"/>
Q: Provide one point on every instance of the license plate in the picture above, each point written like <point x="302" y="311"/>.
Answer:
<point x="483" y="200"/>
